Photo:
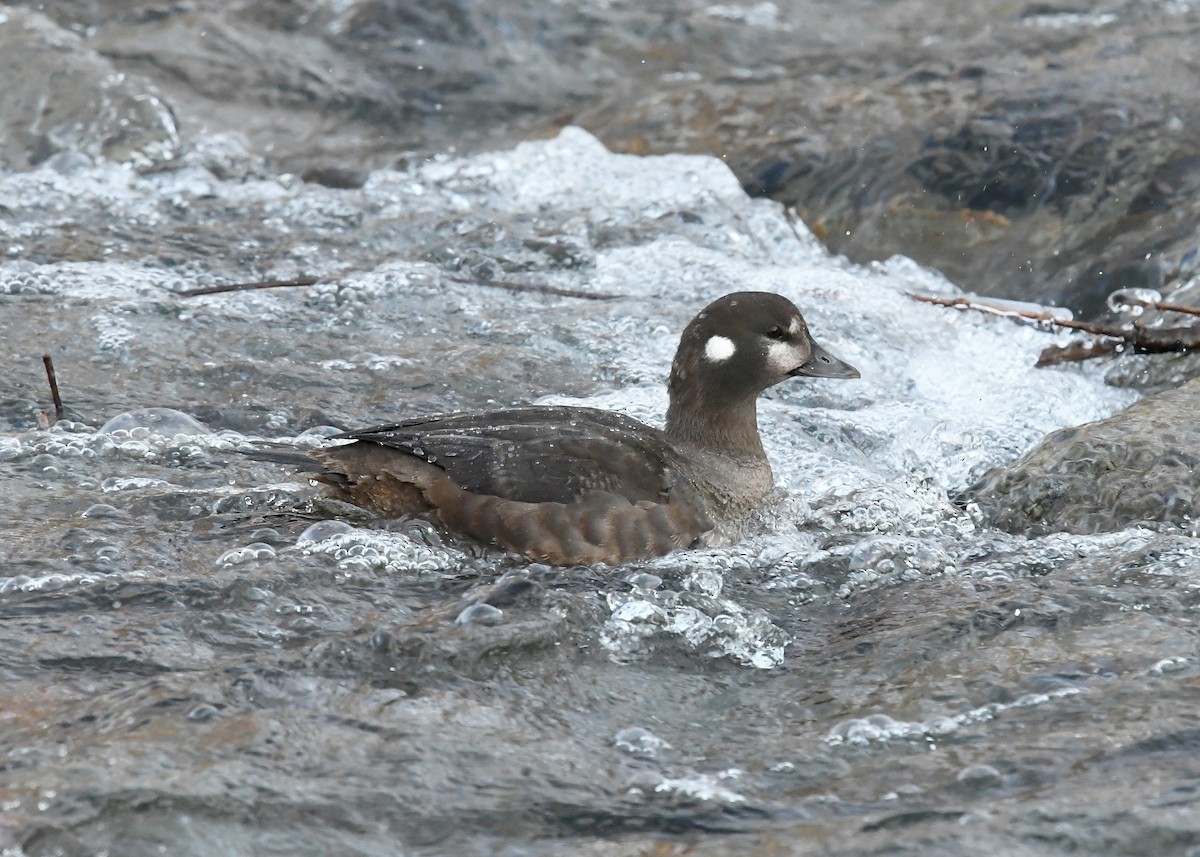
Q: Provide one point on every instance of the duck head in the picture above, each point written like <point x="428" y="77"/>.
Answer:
<point x="736" y="347"/>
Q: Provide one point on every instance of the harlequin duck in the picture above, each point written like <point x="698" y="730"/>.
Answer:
<point x="573" y="485"/>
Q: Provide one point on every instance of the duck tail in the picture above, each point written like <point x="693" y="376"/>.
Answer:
<point x="281" y="453"/>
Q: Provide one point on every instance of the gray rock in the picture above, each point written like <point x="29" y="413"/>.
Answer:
<point x="60" y="97"/>
<point x="1022" y="149"/>
<point x="1138" y="466"/>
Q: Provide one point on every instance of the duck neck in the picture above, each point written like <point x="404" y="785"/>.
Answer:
<point x="716" y="424"/>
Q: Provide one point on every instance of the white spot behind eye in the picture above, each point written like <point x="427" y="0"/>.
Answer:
<point x="719" y="348"/>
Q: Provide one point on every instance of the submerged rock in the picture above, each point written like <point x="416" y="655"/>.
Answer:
<point x="1138" y="466"/>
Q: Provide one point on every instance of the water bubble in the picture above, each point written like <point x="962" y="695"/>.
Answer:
<point x="202" y="713"/>
<point x="980" y="777"/>
<point x="481" y="614"/>
<point x="52" y="583"/>
<point x="691" y="624"/>
<point x="250" y="553"/>
<point x="322" y="530"/>
<point x="167" y="422"/>
<point x="1170" y="665"/>
<point x="46" y="463"/>
<point x="704" y="787"/>
<point x="102" y="510"/>
<point x="124" y="483"/>
<point x="316" y="434"/>
<point x="639" y="611"/>
<point x="645" y="580"/>
<point x="270" y="535"/>
<point x="1133" y="301"/>
<point x="19" y="583"/>
<point x="638" y="741"/>
<point x="705" y="582"/>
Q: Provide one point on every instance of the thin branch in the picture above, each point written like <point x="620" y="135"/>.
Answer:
<point x="1042" y="317"/>
<point x="1147" y="299"/>
<point x="59" y="410"/>
<point x="1186" y="310"/>
<point x="538" y="288"/>
<point x="507" y="285"/>
<point x="245" y="287"/>
<point x="1137" y="338"/>
<point x="1076" y="351"/>
<point x="793" y="217"/>
<point x="1164" y="340"/>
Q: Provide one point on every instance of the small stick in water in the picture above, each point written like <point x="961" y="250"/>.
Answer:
<point x="491" y="284"/>
<point x="245" y="287"/>
<point x="59" y="410"/>
<point x="538" y="288"/>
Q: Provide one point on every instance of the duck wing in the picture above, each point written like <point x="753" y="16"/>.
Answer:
<point x="538" y="454"/>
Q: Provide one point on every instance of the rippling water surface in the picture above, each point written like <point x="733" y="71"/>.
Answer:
<point x="202" y="656"/>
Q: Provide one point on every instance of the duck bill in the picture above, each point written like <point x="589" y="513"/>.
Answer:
<point x="822" y="364"/>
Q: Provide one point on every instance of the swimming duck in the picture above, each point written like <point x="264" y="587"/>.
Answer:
<point x="575" y="485"/>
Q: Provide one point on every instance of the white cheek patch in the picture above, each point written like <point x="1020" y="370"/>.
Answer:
<point x="784" y="357"/>
<point x="719" y="349"/>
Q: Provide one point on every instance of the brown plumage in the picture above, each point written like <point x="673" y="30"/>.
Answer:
<point x="569" y="485"/>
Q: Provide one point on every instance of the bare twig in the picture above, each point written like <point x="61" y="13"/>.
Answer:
<point x="1164" y="340"/>
<point x="793" y="217"/>
<point x="513" y="286"/>
<point x="507" y="285"/>
<point x="1042" y="317"/>
<point x="1146" y="299"/>
<point x="1136" y="338"/>
<point x="1139" y="340"/>
<point x="59" y="410"/>
<point x="1075" y="351"/>
<point x="1186" y="310"/>
<point x="245" y="287"/>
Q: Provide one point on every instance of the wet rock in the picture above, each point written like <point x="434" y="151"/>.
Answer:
<point x="1022" y="149"/>
<point x="1024" y="153"/>
<point x="324" y="87"/>
<point x="1139" y="466"/>
<point x="62" y="98"/>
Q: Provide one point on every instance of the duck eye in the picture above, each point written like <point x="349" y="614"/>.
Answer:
<point x="777" y="333"/>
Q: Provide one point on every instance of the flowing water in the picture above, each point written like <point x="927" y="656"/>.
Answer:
<point x="202" y="656"/>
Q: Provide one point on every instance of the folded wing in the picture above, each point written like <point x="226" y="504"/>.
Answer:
<point x="537" y="455"/>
